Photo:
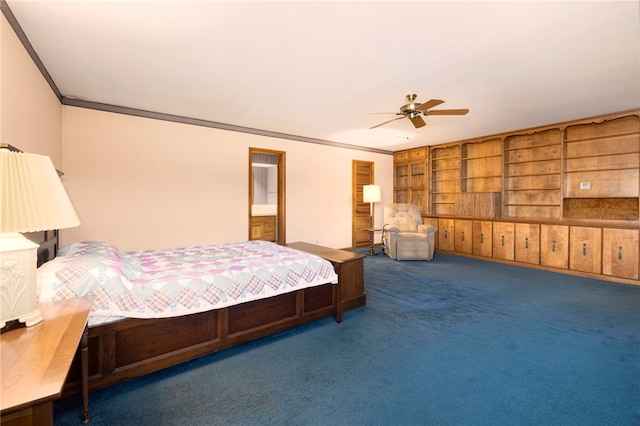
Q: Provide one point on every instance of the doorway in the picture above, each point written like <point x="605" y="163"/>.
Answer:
<point x="267" y="195"/>
<point x="362" y="174"/>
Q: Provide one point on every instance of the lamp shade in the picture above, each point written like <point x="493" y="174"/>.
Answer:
<point x="32" y="197"/>
<point x="371" y="193"/>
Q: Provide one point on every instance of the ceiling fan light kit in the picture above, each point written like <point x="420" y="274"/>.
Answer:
<point x="415" y="110"/>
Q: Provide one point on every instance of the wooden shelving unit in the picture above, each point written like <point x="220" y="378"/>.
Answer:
<point x="601" y="170"/>
<point x="533" y="175"/>
<point x="481" y="166"/>
<point x="563" y="197"/>
<point x="445" y="179"/>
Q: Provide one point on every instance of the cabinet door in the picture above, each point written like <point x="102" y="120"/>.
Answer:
<point x="554" y="246"/>
<point x="585" y="249"/>
<point x="482" y="238"/>
<point x="269" y="228"/>
<point x="401" y="183"/>
<point x="464" y="236"/>
<point x="257" y="228"/>
<point x="527" y="243"/>
<point x="620" y="252"/>
<point x="503" y="240"/>
<point x="446" y="234"/>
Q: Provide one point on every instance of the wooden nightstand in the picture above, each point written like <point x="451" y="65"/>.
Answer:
<point x="36" y="360"/>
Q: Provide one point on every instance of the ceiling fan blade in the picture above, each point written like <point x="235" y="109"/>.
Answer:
<point x="417" y="121"/>
<point x="386" y="122"/>
<point x="448" y="112"/>
<point x="429" y="104"/>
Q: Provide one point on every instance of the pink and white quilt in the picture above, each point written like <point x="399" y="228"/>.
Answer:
<point x="166" y="283"/>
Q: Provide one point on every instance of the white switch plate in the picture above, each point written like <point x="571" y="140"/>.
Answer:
<point x="585" y="185"/>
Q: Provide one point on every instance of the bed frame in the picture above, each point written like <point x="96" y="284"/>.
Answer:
<point x="129" y="348"/>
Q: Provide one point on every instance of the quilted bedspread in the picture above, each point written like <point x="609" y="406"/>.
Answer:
<point x="165" y="283"/>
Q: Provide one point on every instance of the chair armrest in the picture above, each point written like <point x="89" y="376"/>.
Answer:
<point x="425" y="229"/>
<point x="390" y="228"/>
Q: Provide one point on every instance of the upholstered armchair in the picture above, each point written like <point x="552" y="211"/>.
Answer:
<point x="404" y="236"/>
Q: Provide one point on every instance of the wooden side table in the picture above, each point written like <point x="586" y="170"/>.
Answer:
<point x="36" y="360"/>
<point x="350" y="269"/>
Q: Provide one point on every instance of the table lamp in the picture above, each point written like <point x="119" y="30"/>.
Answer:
<point x="32" y="199"/>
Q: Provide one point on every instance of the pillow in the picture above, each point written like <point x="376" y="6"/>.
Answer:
<point x="89" y="248"/>
<point x="75" y="276"/>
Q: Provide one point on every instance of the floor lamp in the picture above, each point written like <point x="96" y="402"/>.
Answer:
<point x="32" y="199"/>
<point x="371" y="194"/>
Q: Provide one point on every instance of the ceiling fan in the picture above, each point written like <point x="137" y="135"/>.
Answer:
<point x="415" y="110"/>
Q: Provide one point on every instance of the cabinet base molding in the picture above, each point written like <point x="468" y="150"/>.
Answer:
<point x="546" y="268"/>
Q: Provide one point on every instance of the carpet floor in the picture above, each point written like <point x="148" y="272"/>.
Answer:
<point x="454" y="341"/>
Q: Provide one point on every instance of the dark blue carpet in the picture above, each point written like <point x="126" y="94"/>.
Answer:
<point x="453" y="341"/>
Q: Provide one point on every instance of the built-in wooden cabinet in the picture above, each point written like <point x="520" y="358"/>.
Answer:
<point x="585" y="249"/>
<point x="482" y="238"/>
<point x="564" y="197"/>
<point x="411" y="177"/>
<point x="527" y="243"/>
<point x="401" y="177"/>
<point x="597" y="251"/>
<point x="554" y="241"/>
<point x="446" y="235"/>
<point x="263" y="228"/>
<point x="463" y="236"/>
<point x="504" y="240"/>
<point x="620" y="253"/>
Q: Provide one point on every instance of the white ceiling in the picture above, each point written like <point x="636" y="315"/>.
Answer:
<point x="316" y="69"/>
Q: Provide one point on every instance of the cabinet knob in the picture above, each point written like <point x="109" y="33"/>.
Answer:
<point x="619" y="252"/>
<point x="553" y="245"/>
<point x="446" y="235"/>
<point x="502" y="240"/>
<point x="526" y="242"/>
<point x="584" y="249"/>
<point x="462" y="235"/>
<point x="481" y="238"/>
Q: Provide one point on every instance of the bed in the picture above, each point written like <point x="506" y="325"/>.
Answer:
<point x="159" y="308"/>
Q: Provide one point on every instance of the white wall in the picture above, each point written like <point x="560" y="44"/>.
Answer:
<point x="30" y="112"/>
<point x="141" y="183"/>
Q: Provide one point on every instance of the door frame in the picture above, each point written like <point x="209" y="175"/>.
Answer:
<point x="281" y="214"/>
<point x="355" y="191"/>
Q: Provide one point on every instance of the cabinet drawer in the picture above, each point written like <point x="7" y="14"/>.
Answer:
<point x="401" y="156"/>
<point x="418" y="154"/>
